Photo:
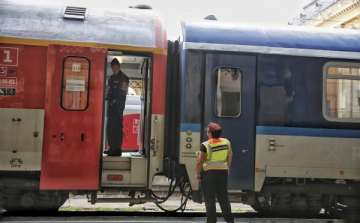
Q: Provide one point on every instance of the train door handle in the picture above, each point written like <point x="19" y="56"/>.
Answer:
<point x="62" y="137"/>
<point x="82" y="137"/>
<point x="244" y="150"/>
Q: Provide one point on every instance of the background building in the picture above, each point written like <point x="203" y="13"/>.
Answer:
<point x="330" y="13"/>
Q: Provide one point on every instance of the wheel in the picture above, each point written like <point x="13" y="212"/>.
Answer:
<point x="1" y="204"/>
<point x="304" y="205"/>
<point x="308" y="213"/>
<point x="350" y="206"/>
<point x="1" y="201"/>
<point x="34" y="200"/>
<point x="51" y="200"/>
<point x="290" y="205"/>
<point x="11" y="199"/>
<point x="263" y="207"/>
<point x="280" y="204"/>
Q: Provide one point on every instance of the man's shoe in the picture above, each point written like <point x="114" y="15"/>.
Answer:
<point x="108" y="151"/>
<point x="114" y="153"/>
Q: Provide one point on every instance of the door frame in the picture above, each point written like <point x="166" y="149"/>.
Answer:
<point x="248" y="66"/>
<point x="147" y="87"/>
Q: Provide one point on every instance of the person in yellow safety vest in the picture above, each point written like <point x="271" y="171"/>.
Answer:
<point x="212" y="168"/>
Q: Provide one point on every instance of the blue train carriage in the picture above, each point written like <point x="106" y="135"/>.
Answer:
<point x="289" y="102"/>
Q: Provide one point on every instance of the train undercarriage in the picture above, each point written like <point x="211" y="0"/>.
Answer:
<point x="283" y="197"/>
<point x="21" y="192"/>
<point x="305" y="198"/>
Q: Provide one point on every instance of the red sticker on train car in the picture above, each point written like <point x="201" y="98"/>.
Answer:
<point x="7" y="91"/>
<point x="3" y="71"/>
<point x="115" y="177"/>
<point x="9" y="56"/>
<point x="12" y="71"/>
<point x="8" y="86"/>
<point x="8" y="81"/>
<point x="135" y="125"/>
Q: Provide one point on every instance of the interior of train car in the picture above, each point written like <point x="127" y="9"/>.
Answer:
<point x="137" y="68"/>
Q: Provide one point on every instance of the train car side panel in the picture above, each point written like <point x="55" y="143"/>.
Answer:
<point x="73" y="118"/>
<point x="22" y="76"/>
<point x="294" y="139"/>
<point x="21" y="139"/>
<point x="157" y="117"/>
<point x="159" y="85"/>
<point x="284" y="152"/>
<point x="191" y="108"/>
<point x="22" y="94"/>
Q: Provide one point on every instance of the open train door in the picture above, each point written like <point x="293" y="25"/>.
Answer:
<point x="230" y="101"/>
<point x="73" y="118"/>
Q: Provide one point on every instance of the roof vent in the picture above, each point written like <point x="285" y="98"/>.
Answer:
<point x="142" y="7"/>
<point x="210" y="17"/>
<point x="74" y="13"/>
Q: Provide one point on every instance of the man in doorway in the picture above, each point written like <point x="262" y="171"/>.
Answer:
<point x="212" y="168"/>
<point x="117" y="90"/>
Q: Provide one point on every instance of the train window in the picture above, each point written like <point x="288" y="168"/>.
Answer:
<point x="342" y="91"/>
<point x="75" y="84"/>
<point x="228" y="92"/>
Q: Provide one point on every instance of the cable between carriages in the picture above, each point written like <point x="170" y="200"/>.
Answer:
<point x="183" y="185"/>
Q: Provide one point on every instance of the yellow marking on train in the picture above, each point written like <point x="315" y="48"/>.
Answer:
<point x="38" y="42"/>
<point x="342" y="173"/>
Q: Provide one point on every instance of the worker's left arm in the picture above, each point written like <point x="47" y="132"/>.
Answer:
<point x="199" y="164"/>
<point x="229" y="158"/>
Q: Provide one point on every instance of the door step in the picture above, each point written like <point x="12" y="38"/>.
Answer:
<point x="116" y="163"/>
<point x="123" y="172"/>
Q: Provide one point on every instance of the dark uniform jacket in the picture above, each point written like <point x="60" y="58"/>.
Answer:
<point x="117" y="93"/>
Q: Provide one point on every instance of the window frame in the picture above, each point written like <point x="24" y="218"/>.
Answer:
<point x="62" y="83"/>
<point x="215" y="91"/>
<point x="337" y="77"/>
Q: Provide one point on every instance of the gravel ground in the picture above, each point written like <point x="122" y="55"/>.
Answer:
<point x="81" y="203"/>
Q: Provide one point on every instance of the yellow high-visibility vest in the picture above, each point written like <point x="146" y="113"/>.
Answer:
<point x="217" y="151"/>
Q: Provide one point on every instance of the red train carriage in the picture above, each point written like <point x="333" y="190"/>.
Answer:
<point x="54" y="65"/>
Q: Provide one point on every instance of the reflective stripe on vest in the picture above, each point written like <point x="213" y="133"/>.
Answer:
<point x="217" y="154"/>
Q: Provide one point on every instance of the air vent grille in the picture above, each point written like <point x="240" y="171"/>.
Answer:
<point x="74" y="13"/>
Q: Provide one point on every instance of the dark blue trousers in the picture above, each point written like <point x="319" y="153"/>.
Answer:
<point x="214" y="183"/>
<point x="114" y="129"/>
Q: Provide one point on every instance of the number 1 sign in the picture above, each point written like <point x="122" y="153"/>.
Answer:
<point x="9" y="56"/>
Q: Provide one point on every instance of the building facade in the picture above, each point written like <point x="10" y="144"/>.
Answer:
<point x="330" y="13"/>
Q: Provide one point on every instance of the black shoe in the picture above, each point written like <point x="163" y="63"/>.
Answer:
<point x="114" y="153"/>
<point x="108" y="151"/>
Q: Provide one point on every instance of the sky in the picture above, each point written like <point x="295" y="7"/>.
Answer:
<point x="252" y="12"/>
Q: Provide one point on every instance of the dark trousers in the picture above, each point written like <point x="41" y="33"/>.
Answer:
<point x="114" y="129"/>
<point x="214" y="182"/>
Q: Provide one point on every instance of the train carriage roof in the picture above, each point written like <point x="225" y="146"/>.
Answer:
<point x="131" y="27"/>
<point x="302" y="41"/>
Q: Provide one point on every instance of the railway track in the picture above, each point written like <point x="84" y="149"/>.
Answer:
<point x="193" y="214"/>
<point x="150" y="217"/>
